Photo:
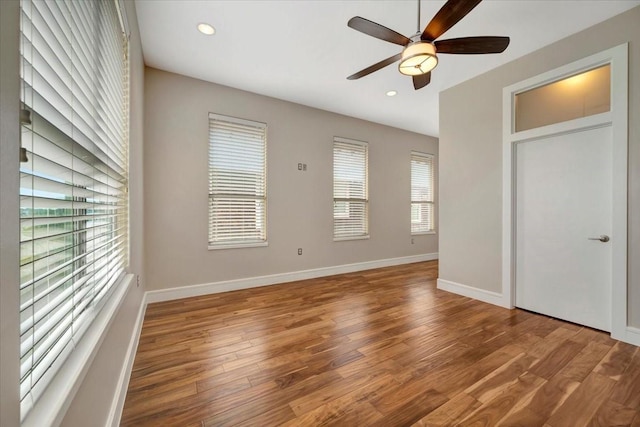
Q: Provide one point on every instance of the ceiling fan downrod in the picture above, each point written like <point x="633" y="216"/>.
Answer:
<point x="418" y="26"/>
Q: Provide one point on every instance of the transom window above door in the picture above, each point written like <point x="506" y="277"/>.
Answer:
<point x="580" y="95"/>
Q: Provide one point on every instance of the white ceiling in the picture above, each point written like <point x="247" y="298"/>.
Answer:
<point x="302" y="51"/>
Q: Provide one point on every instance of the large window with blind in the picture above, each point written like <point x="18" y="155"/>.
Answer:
<point x="237" y="182"/>
<point x="350" y="189"/>
<point x="73" y="178"/>
<point x="421" y="193"/>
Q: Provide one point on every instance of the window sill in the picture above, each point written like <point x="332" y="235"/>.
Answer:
<point x="55" y="400"/>
<point x="422" y="233"/>
<point x="344" y="239"/>
<point x="239" y="245"/>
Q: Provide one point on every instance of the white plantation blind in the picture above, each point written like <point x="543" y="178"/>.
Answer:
<point x="237" y="182"/>
<point x="350" y="192"/>
<point x="421" y="193"/>
<point x="73" y="189"/>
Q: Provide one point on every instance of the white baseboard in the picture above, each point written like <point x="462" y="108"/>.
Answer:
<point x="631" y="336"/>
<point x="117" y="404"/>
<point x="254" y="282"/>
<point x="471" y="292"/>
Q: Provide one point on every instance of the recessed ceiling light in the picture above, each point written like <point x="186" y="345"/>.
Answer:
<point x="207" y="29"/>
<point x="392" y="93"/>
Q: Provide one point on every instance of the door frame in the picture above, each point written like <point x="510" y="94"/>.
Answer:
<point x="617" y="118"/>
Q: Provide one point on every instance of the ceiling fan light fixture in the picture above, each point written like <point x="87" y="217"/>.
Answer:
<point x="418" y="58"/>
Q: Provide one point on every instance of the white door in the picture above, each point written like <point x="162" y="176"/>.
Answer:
<point x="564" y="202"/>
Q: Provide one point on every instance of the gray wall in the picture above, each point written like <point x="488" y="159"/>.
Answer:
<point x="91" y="405"/>
<point x="299" y="203"/>
<point x="471" y="157"/>
<point x="9" y="210"/>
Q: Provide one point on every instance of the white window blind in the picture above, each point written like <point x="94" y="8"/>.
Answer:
<point x="350" y="192"/>
<point x="73" y="188"/>
<point x="421" y="193"/>
<point x="237" y="182"/>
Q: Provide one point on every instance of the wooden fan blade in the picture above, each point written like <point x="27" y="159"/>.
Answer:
<point x="472" y="45"/>
<point x="378" y="31"/>
<point x="375" y="67"/>
<point x="421" y="81"/>
<point x="452" y="12"/>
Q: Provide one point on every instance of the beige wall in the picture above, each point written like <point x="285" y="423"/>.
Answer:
<point x="9" y="210"/>
<point x="299" y="203"/>
<point x="471" y="157"/>
<point x="93" y="400"/>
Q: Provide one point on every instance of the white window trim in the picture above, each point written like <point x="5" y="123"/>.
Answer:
<point x="239" y="245"/>
<point x="350" y="141"/>
<point x="421" y="233"/>
<point x="248" y="243"/>
<point x="433" y="191"/>
<point x="366" y="167"/>
<point x="344" y="239"/>
<point x="238" y="120"/>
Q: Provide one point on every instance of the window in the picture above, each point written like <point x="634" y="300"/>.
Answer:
<point x="237" y="182"/>
<point x="421" y="193"/>
<point x="350" y="192"/>
<point x="73" y="188"/>
<point x="580" y="95"/>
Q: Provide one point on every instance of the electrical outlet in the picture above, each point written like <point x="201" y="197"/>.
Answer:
<point x="412" y="242"/>
<point x="304" y="167"/>
<point x="299" y="251"/>
<point x="137" y="280"/>
<point x="299" y="166"/>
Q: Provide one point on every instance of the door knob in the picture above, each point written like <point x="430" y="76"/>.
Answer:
<point x="603" y="238"/>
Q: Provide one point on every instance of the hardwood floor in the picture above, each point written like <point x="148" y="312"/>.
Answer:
<point x="382" y="348"/>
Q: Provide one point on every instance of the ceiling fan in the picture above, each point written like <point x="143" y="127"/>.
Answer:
<point x="419" y="55"/>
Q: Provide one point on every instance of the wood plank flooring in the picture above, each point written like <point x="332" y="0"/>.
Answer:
<point x="376" y="348"/>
